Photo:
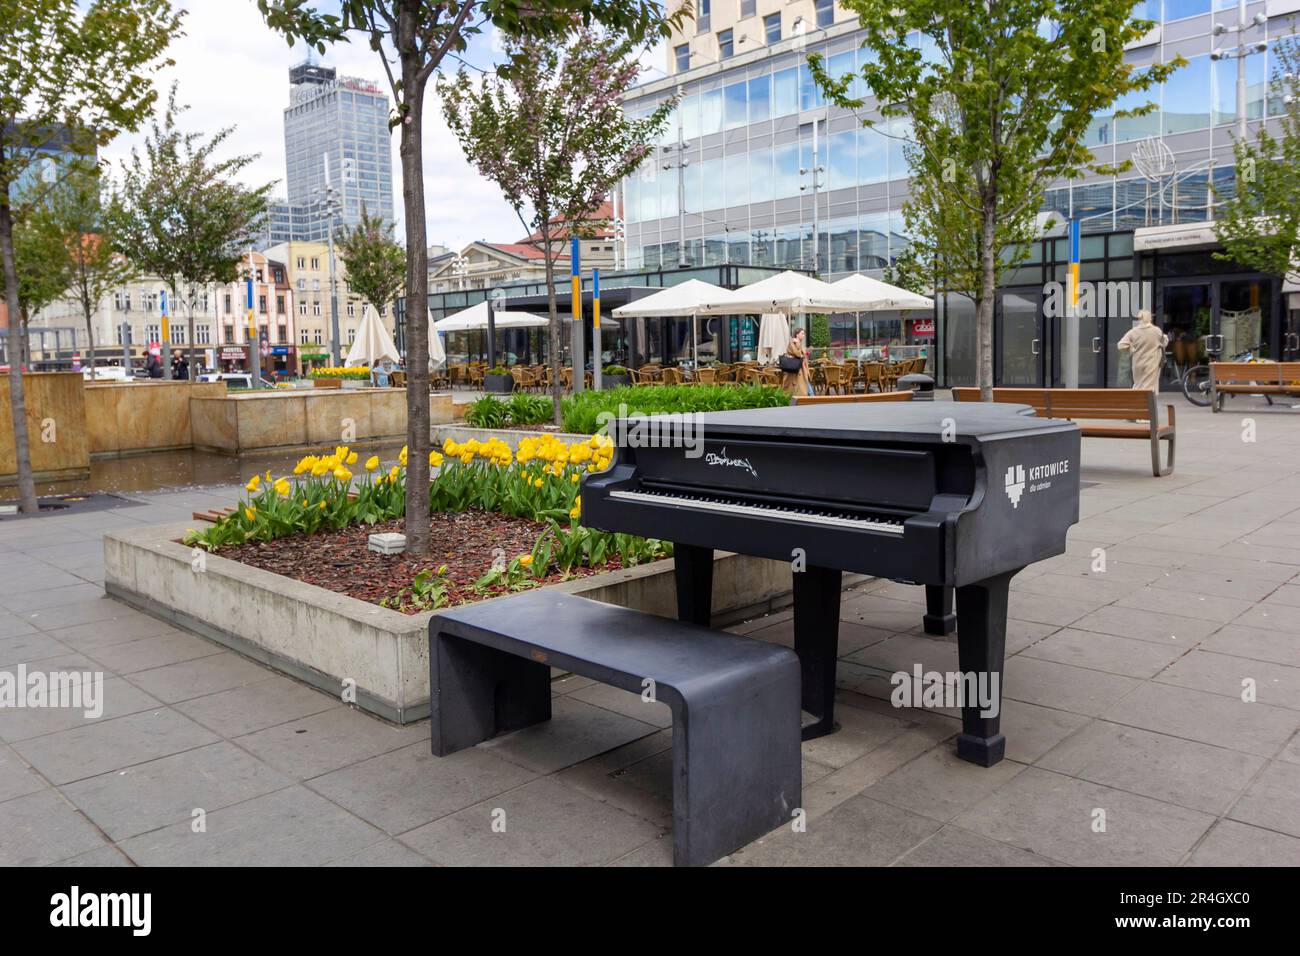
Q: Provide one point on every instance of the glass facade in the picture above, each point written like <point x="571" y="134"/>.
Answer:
<point x="346" y="120"/>
<point x="755" y="132"/>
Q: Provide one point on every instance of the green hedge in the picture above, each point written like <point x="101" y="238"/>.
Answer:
<point x="581" y="411"/>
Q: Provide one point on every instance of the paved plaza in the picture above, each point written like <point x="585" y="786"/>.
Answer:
<point x="1128" y="739"/>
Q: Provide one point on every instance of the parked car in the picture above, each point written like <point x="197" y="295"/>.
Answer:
<point x="106" y="373"/>
<point x="233" y="380"/>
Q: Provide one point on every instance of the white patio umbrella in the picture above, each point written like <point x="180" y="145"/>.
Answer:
<point x="373" y="343"/>
<point x="676" y="301"/>
<point x="437" y="352"/>
<point x="475" y="317"/>
<point x="878" y="296"/>
<point x="789" y="293"/>
<point x="773" y="337"/>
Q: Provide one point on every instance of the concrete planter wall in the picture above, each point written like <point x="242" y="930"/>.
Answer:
<point x="305" y="418"/>
<point x="136" y="417"/>
<point x="323" y="638"/>
<point x="56" y="427"/>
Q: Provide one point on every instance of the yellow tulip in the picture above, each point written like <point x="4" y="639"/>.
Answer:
<point x="282" y="487"/>
<point x="250" y="514"/>
<point x="435" y="459"/>
<point x="321" y="506"/>
<point x="537" y="483"/>
<point x="372" y="463"/>
<point x="342" y="474"/>
<point x="254" y="483"/>
<point x="525" y="560"/>
<point x="393" y="473"/>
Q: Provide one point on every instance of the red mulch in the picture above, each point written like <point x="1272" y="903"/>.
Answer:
<point x="339" y="561"/>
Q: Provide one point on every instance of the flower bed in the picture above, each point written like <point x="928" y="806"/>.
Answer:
<point x="356" y="372"/>
<point x="536" y="486"/>
<point x="582" y="412"/>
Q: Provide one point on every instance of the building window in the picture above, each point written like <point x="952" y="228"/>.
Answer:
<point x="352" y="336"/>
<point x="279" y="304"/>
<point x="683" y="54"/>
<point x="122" y="301"/>
<point x="230" y="335"/>
<point x="302" y="308"/>
<point x="178" y="334"/>
<point x="702" y="18"/>
<point x="315" y="285"/>
<point x="383" y="310"/>
<point x="302" y="263"/>
<point x="152" y="333"/>
<point x="149" y="301"/>
<point x="228" y="308"/>
<point x="747" y="8"/>
<point x="316" y="337"/>
<point x="315" y="263"/>
<point x="302" y="336"/>
<point x="302" y="283"/>
<point x="281" y="334"/>
<point x="772" y="28"/>
<point x="261" y="304"/>
<point x="315" y="308"/>
<point x="352" y="309"/>
<point x="825" y="12"/>
<point x="202" y="335"/>
<point x="725" y="46"/>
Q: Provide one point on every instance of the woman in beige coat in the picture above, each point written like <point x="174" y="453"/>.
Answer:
<point x="1147" y="343"/>
<point x="797" y="383"/>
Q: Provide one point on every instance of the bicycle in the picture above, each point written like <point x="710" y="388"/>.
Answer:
<point x="1196" y="380"/>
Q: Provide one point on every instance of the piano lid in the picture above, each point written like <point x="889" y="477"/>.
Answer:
<point x="884" y="422"/>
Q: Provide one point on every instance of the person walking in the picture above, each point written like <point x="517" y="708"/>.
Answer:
<point x="1147" y="344"/>
<point x="180" y="367"/>
<point x="153" y="366"/>
<point x="794" y="366"/>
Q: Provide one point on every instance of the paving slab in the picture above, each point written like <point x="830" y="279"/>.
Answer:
<point x="42" y="828"/>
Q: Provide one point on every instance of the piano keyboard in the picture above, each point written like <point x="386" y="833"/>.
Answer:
<point x="728" y="506"/>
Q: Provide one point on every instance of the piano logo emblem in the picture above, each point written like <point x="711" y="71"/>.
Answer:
<point x="720" y="458"/>
<point x="1015" y="484"/>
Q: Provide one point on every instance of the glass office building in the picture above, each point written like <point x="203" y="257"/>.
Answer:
<point x="769" y="174"/>
<point x="344" y="119"/>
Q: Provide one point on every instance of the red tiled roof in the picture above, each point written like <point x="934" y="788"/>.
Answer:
<point x="603" y="214"/>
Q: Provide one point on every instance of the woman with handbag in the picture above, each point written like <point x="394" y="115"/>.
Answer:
<point x="794" y="366"/>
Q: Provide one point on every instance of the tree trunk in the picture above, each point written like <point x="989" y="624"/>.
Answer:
<point x="90" y="338"/>
<point x="553" y="314"/>
<point x="984" y="305"/>
<point x="417" y="288"/>
<point x="17" y="398"/>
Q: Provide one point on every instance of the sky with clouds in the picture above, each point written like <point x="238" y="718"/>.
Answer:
<point x="232" y="70"/>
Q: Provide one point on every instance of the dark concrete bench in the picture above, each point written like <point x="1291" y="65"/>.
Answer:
<point x="734" y="700"/>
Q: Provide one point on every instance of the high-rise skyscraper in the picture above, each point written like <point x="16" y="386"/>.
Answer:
<point x="336" y="134"/>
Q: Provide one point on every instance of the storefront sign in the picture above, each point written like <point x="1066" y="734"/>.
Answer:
<point x="232" y="353"/>
<point x="923" y="328"/>
<point x="1180" y="236"/>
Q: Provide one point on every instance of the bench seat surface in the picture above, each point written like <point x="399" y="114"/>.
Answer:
<point x="581" y="635"/>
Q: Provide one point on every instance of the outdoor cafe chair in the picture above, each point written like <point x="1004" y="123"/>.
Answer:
<point x="706" y="376"/>
<point x="671" y="376"/>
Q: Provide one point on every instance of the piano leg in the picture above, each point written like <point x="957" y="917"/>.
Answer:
<point x="816" y="641"/>
<point x="939" y="618"/>
<point x="981" y="640"/>
<point x="693" y="568"/>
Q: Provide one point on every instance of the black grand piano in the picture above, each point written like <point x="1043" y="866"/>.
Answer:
<point x="954" y="497"/>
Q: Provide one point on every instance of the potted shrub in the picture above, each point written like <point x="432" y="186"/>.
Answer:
<point x="498" y="379"/>
<point x="615" y="376"/>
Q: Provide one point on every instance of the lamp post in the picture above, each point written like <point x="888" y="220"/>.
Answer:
<point x="815" y="171"/>
<point x="330" y="199"/>
<point x="1239" y="53"/>
<point x="682" y="161"/>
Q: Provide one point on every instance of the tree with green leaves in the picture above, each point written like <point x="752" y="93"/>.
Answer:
<point x="77" y="213"/>
<point x="999" y="96"/>
<point x="411" y="39"/>
<point x="375" y="262"/>
<point x="42" y="266"/>
<point x="181" y="215"/>
<point x="1258" y="221"/>
<point x="73" y="74"/>
<point x="552" y="134"/>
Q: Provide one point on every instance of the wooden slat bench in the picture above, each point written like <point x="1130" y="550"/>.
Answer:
<point x="1121" y="404"/>
<point x="734" y="700"/>
<point x="903" y="396"/>
<point x="1252" y="378"/>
